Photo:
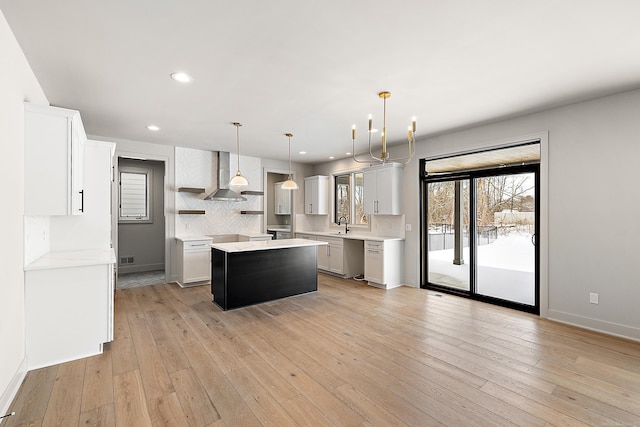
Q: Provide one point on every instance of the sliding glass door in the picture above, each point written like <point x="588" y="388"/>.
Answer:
<point x="448" y="233"/>
<point x="505" y="237"/>
<point x="480" y="234"/>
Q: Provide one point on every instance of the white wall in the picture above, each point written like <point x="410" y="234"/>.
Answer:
<point x="17" y="84"/>
<point x="593" y="206"/>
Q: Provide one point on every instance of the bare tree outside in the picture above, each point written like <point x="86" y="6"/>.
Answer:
<point x="349" y="195"/>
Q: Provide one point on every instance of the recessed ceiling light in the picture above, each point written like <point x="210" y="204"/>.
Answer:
<point x="181" y="77"/>
<point x="348" y="154"/>
<point x="331" y="157"/>
<point x="302" y="152"/>
<point x="153" y="128"/>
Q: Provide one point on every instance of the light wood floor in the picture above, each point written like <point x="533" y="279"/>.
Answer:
<point x="346" y="355"/>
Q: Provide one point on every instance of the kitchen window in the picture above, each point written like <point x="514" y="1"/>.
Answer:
<point x="135" y="195"/>
<point x="348" y="198"/>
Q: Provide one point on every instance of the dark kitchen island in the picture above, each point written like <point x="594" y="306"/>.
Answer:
<point x="246" y="273"/>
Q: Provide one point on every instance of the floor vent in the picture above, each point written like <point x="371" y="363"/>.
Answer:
<point x="126" y="260"/>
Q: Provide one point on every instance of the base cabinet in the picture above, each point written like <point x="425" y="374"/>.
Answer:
<point x="69" y="313"/>
<point x="342" y="257"/>
<point x="194" y="262"/>
<point x="383" y="263"/>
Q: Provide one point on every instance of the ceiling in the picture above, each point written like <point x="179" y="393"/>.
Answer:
<point x="314" y="68"/>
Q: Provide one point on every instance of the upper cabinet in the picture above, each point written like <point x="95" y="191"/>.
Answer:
<point x="316" y="195"/>
<point x="54" y="157"/>
<point x="383" y="189"/>
<point x="282" y="200"/>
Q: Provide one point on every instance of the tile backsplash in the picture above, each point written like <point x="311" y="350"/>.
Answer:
<point x="198" y="168"/>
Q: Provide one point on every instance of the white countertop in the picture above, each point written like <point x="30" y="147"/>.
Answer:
<point x="256" y="235"/>
<point x="278" y="228"/>
<point x="193" y="238"/>
<point x="350" y="235"/>
<point x="265" y="245"/>
<point x="64" y="259"/>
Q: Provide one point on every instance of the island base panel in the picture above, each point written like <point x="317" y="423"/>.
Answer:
<point x="245" y="278"/>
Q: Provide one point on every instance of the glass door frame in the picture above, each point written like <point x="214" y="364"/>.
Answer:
<point x="425" y="179"/>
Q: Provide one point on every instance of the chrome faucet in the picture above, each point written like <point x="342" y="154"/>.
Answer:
<point x="346" y="224"/>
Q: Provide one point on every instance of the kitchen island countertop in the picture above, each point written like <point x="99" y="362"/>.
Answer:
<point x="264" y="245"/>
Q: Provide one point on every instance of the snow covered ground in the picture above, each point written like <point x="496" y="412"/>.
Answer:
<point x="506" y="269"/>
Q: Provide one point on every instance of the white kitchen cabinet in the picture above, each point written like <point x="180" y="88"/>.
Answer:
<point x="53" y="149"/>
<point x="342" y="257"/>
<point x="194" y="262"/>
<point x="316" y="195"/>
<point x="383" y="263"/>
<point x="68" y="308"/>
<point x="383" y="189"/>
<point x="282" y="200"/>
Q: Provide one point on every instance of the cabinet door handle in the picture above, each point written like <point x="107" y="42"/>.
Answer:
<point x="81" y="200"/>
<point x="372" y="251"/>
<point x="311" y="207"/>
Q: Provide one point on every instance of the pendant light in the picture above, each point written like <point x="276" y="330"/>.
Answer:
<point x="289" y="184"/>
<point x="238" y="180"/>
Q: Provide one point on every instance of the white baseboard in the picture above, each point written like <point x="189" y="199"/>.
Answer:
<point x="596" y="325"/>
<point x="12" y="388"/>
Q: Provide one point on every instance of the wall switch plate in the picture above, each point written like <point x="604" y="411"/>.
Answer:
<point x="407" y="227"/>
<point x="593" y="298"/>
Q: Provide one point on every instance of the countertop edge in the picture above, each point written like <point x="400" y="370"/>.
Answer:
<point x="66" y="259"/>
<point x="234" y="247"/>
<point x="351" y="236"/>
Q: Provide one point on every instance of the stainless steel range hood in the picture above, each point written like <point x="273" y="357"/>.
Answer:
<point x="223" y="193"/>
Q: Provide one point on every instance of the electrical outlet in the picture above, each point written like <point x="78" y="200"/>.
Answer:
<point x="593" y="298"/>
<point x="407" y="227"/>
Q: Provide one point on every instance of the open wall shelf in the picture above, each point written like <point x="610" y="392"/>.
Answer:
<point x="190" y="190"/>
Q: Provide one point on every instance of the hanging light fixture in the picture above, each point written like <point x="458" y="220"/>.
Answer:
<point x="289" y="184"/>
<point x="384" y="154"/>
<point x="238" y="180"/>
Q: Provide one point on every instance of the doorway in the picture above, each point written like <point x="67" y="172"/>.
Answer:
<point x="140" y="222"/>
<point x="479" y="232"/>
<point x="278" y="205"/>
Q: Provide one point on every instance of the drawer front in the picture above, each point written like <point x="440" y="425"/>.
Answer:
<point x="374" y="245"/>
<point x="332" y="241"/>
<point x="305" y="236"/>
<point x="197" y="245"/>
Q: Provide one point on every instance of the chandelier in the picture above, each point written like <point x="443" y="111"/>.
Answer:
<point x="384" y="154"/>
